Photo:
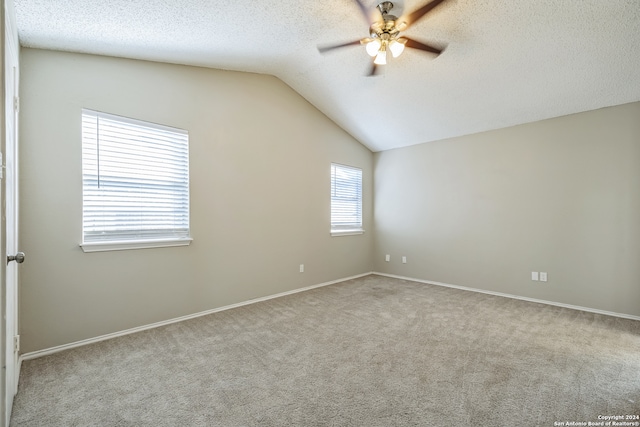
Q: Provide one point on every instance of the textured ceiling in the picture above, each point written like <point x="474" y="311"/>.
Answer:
<point x="507" y="61"/>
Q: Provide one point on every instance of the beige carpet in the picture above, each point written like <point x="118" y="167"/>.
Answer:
<point x="373" y="351"/>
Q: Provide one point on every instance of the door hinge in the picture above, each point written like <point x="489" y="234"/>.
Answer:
<point x="16" y="343"/>
<point x="16" y="104"/>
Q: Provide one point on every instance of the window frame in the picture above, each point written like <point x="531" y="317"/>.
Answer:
<point x="136" y="242"/>
<point x="353" y="228"/>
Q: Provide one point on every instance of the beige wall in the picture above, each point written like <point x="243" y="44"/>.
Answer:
<point x="260" y="157"/>
<point x="483" y="211"/>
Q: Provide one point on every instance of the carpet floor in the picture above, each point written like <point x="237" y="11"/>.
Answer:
<point x="373" y="351"/>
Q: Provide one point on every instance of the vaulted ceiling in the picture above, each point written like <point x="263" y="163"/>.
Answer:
<point x="506" y="62"/>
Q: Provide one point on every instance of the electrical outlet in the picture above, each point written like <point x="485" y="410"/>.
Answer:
<point x="543" y="276"/>
<point x="404" y="259"/>
<point x="387" y="257"/>
<point x="301" y="268"/>
<point x="534" y="276"/>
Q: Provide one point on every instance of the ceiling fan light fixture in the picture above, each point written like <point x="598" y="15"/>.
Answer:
<point x="384" y="33"/>
<point x="381" y="57"/>
<point x="373" y="47"/>
<point x="397" y="47"/>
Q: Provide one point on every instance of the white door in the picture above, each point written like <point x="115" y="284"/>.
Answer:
<point x="10" y="214"/>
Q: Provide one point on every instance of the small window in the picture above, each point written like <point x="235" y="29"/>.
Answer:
<point x="135" y="183"/>
<point x="346" y="200"/>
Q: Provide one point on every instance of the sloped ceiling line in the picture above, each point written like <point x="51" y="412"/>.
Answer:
<point x="506" y="62"/>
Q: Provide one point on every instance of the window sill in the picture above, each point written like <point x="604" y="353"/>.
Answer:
<point x="133" y="244"/>
<point x="350" y="232"/>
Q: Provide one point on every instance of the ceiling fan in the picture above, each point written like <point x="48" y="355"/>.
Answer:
<point x="384" y="34"/>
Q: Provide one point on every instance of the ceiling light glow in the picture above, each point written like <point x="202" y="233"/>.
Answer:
<point x="373" y="47"/>
<point x="396" y="47"/>
<point x="381" y="58"/>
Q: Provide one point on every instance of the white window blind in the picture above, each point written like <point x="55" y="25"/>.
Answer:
<point x="135" y="178"/>
<point x="346" y="199"/>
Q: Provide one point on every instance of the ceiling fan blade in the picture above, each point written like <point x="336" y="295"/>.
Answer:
<point x="324" y="49"/>
<point x="373" y="70"/>
<point x="411" y="18"/>
<point x="366" y="13"/>
<point x="414" y="44"/>
<point x="363" y="9"/>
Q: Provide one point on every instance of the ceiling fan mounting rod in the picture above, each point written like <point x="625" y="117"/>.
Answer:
<point x="388" y="23"/>
<point x="385" y="7"/>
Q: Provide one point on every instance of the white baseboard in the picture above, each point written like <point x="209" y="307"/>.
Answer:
<point x="57" y="349"/>
<point x="500" y="294"/>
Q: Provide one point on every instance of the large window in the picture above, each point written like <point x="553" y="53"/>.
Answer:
<point x="346" y="200"/>
<point x="135" y="183"/>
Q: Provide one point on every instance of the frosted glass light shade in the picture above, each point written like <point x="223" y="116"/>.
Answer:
<point x="396" y="48"/>
<point x="373" y="47"/>
<point x="381" y="58"/>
